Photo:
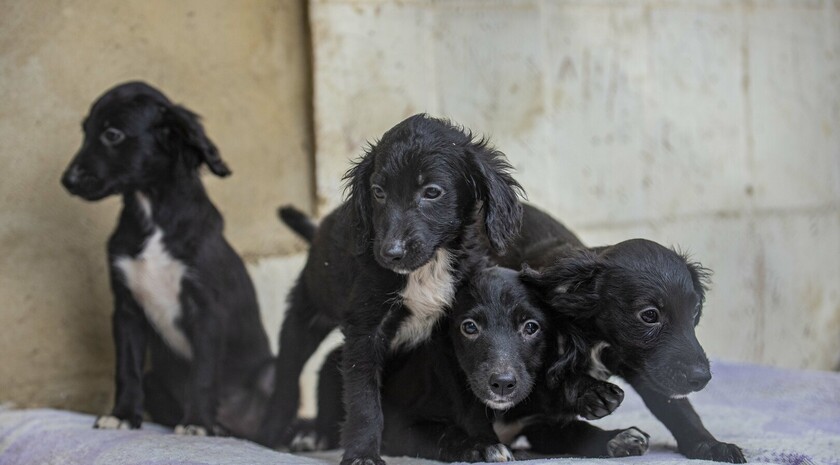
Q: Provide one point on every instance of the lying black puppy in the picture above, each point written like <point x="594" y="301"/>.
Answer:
<point x="179" y="289"/>
<point x="428" y="384"/>
<point x="385" y="267"/>
<point x="440" y="399"/>
<point x="637" y="303"/>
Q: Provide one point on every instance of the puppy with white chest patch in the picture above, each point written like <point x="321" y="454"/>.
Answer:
<point x="635" y="306"/>
<point x="385" y="265"/>
<point x="181" y="293"/>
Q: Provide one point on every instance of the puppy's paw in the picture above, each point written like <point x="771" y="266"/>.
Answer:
<point x="716" y="451"/>
<point x="112" y="422"/>
<point x="191" y="430"/>
<point x="370" y="460"/>
<point x="307" y="441"/>
<point x="631" y="441"/>
<point x="601" y="400"/>
<point x="497" y="453"/>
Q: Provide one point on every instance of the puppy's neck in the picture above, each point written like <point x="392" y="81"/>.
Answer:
<point x="172" y="205"/>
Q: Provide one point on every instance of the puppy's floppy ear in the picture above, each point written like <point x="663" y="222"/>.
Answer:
<point x="498" y="192"/>
<point x="357" y="187"/>
<point x="570" y="285"/>
<point x="701" y="277"/>
<point x="181" y="130"/>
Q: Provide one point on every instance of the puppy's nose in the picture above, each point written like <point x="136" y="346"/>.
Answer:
<point x="394" y="251"/>
<point x="71" y="177"/>
<point x="698" y="377"/>
<point x="502" y="383"/>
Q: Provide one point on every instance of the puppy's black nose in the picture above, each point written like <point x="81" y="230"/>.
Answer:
<point x="502" y="383"/>
<point x="71" y="177"/>
<point x="394" y="251"/>
<point x="698" y="377"/>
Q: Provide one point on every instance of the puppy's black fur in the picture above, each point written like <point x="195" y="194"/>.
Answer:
<point x="641" y="302"/>
<point x="422" y="386"/>
<point x="180" y="290"/>
<point x="440" y="400"/>
<point x="384" y="265"/>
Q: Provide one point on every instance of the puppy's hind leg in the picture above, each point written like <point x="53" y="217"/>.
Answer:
<point x="585" y="440"/>
<point x="300" y="337"/>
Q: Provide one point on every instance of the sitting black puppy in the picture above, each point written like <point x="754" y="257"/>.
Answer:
<point x="384" y="265"/>
<point x="636" y="303"/>
<point x="179" y="289"/>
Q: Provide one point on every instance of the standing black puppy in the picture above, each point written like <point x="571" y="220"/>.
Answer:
<point x="179" y="289"/>
<point x="385" y="267"/>
<point x="637" y="303"/>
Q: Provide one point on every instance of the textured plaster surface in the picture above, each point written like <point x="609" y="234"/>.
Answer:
<point x="711" y="125"/>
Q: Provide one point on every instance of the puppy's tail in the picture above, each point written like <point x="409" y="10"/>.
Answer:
<point x="298" y="221"/>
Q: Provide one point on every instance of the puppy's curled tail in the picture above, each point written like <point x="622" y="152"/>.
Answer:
<point x="298" y="221"/>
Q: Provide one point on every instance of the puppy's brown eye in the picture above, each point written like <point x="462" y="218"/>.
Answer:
<point x="469" y="328"/>
<point x="112" y="136"/>
<point x="649" y="316"/>
<point x="531" y="327"/>
<point x="432" y="192"/>
<point x="378" y="192"/>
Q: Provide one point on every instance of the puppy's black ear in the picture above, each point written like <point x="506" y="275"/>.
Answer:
<point x="357" y="187"/>
<point x="571" y="285"/>
<point x="498" y="192"/>
<point x="181" y="130"/>
<point x="701" y="277"/>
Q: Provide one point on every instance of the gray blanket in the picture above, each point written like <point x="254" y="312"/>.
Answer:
<point x="777" y="416"/>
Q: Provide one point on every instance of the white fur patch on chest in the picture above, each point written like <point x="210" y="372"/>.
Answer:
<point x="507" y="432"/>
<point x="154" y="279"/>
<point x="428" y="292"/>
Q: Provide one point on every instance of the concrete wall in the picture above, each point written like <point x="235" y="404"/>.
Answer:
<point x="712" y="125"/>
<point x="244" y="69"/>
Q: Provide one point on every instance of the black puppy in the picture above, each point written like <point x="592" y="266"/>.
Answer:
<point x="440" y="400"/>
<point x="637" y="303"/>
<point x="179" y="289"/>
<point x="385" y="267"/>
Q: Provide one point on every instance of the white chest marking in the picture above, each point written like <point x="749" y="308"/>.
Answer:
<point x="429" y="290"/>
<point x="154" y="278"/>
<point x="507" y="432"/>
<point x="597" y="369"/>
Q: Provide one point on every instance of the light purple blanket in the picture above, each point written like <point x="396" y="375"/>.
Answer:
<point x="777" y="416"/>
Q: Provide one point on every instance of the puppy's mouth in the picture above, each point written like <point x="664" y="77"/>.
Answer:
<point x="670" y="388"/>
<point x="499" y="405"/>
<point x="413" y="261"/>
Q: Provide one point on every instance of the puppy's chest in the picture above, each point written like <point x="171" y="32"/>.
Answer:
<point x="427" y="294"/>
<point x="155" y="278"/>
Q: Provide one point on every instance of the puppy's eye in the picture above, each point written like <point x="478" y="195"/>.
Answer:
<point x="378" y="192"/>
<point x="531" y="327"/>
<point x="649" y="316"/>
<point x="112" y="136"/>
<point x="432" y="192"/>
<point x="469" y="328"/>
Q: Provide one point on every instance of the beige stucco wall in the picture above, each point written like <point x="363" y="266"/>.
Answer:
<point x="241" y="65"/>
<point x="714" y="125"/>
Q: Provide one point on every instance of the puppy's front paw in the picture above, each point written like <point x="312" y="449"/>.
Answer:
<point x="497" y="453"/>
<point x="631" y="441"/>
<point x="601" y="400"/>
<point x="307" y="441"/>
<point x="191" y="430"/>
<point x="371" y="460"/>
<point x="112" y="422"/>
<point x="716" y="451"/>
